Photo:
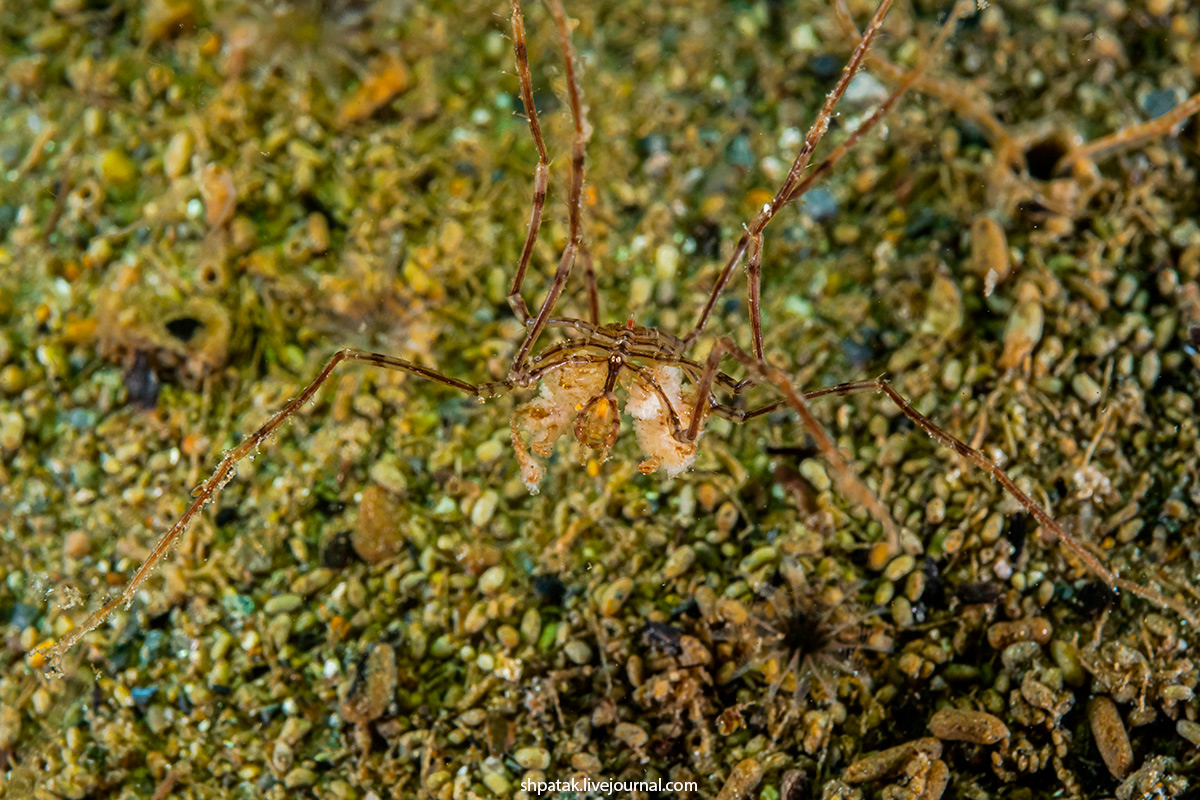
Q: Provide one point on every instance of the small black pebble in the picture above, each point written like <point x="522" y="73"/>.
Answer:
<point x="1094" y="596"/>
<point x="141" y="382"/>
<point x="977" y="593"/>
<point x="550" y="589"/>
<point x="662" y="637"/>
<point x="338" y="551"/>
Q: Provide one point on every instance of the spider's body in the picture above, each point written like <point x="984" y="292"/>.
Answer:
<point x="582" y="388"/>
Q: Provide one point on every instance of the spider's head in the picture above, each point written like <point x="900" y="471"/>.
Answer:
<point x="599" y="422"/>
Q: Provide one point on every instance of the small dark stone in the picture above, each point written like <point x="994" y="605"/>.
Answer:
<point x="143" y="694"/>
<point x="1194" y="336"/>
<point x="707" y="236"/>
<point x="23" y="615"/>
<point x="826" y="65"/>
<point x="1159" y="102"/>
<point x="979" y="593"/>
<point x="152" y="647"/>
<point x="1095" y="596"/>
<point x="338" y="551"/>
<point x="550" y="589"/>
<point x="739" y="152"/>
<point x="662" y="637"/>
<point x="1018" y="530"/>
<point x="858" y="355"/>
<point x="141" y="382"/>
<point x="651" y="145"/>
<point x="935" y="588"/>
<point x="226" y="515"/>
<point x="820" y="204"/>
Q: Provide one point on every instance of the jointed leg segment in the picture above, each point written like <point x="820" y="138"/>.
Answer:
<point x="786" y="192"/>
<point x="542" y="173"/>
<point x="849" y="483"/>
<point x="226" y="469"/>
<point x="575" y="197"/>
<point x="1068" y="541"/>
<point x="859" y="493"/>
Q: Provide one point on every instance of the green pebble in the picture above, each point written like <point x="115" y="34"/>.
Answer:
<point x="283" y="603"/>
<point x="116" y="168"/>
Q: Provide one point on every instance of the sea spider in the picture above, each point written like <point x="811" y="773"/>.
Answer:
<point x="669" y="395"/>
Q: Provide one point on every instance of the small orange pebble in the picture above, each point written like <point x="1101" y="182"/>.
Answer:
<point x="458" y="187"/>
<point x="1036" y="629"/>
<point x="190" y="444"/>
<point x="712" y="205"/>
<point x="965" y="725"/>
<point x="42" y="314"/>
<point x="757" y="198"/>
<point x="80" y="331"/>
<point x="708" y="495"/>
<point x="388" y="78"/>
<point x="211" y="45"/>
<point x="71" y="271"/>
<point x="339" y="627"/>
<point x="114" y="579"/>
<point x="37" y="656"/>
<point x="589" y="195"/>
<point x="219" y="194"/>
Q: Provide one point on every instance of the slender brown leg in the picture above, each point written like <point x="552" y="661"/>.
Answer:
<point x="903" y="84"/>
<point x="740" y="415"/>
<point x="209" y="490"/>
<point x="541" y="175"/>
<point x="1067" y="540"/>
<point x="1134" y="135"/>
<point x="796" y="184"/>
<point x="811" y="139"/>
<point x="589" y="273"/>
<point x="948" y="93"/>
<point x="574" y="200"/>
<point x="849" y="483"/>
<point x="754" y="279"/>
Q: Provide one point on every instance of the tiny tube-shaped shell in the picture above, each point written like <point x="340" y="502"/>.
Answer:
<point x="1034" y="629"/>
<point x="964" y="725"/>
<point x="989" y="251"/>
<point x="889" y="762"/>
<point x="936" y="781"/>
<point x="1111" y="739"/>
<point x="1023" y="332"/>
<point x="743" y="779"/>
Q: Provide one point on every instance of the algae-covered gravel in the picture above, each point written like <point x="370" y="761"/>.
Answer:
<point x="200" y="203"/>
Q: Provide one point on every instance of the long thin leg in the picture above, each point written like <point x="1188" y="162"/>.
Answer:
<point x="541" y="175"/>
<point x="574" y="201"/>
<point x="948" y="93"/>
<point x="589" y="273"/>
<point x="811" y="139"/>
<point x="1067" y="540"/>
<point x="849" y="483"/>
<point x="795" y="185"/>
<point x="903" y="84"/>
<point x="1135" y="135"/>
<point x="208" y="490"/>
<point x="741" y="415"/>
<point x="754" y="279"/>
